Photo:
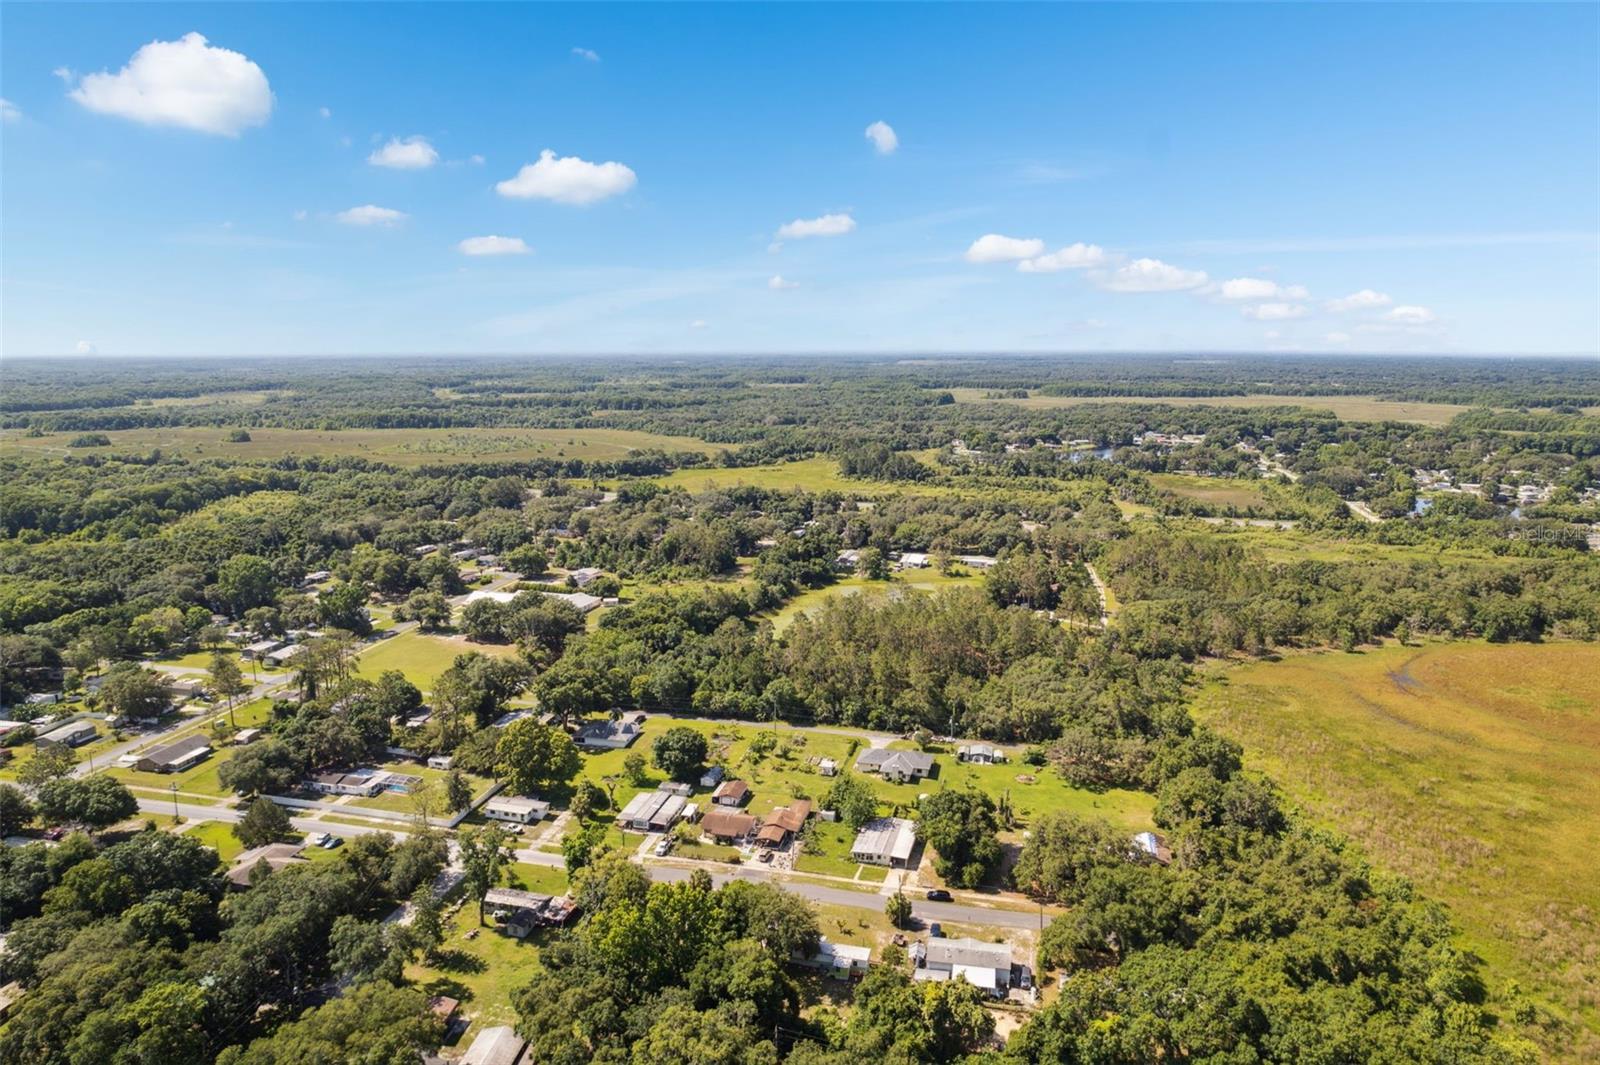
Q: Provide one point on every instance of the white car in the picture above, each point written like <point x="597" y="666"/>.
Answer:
<point x="662" y="848"/>
<point x="316" y="839"/>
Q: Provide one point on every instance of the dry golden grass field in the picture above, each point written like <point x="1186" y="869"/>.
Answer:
<point x="1471" y="768"/>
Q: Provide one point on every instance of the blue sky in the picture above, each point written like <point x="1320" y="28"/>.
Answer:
<point x="1237" y="177"/>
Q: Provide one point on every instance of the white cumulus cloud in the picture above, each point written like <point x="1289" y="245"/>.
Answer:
<point x="699" y="323"/>
<point x="777" y="282"/>
<point x="325" y="112"/>
<point x="412" y="153"/>
<point x="1274" y="312"/>
<point x="828" y="225"/>
<point x="492" y="245"/>
<point x="587" y="53"/>
<point x="1077" y="256"/>
<point x="994" y="248"/>
<point x="9" y="112"/>
<point x="1411" y="315"/>
<point x="84" y="347"/>
<point x="1257" y="288"/>
<point x="1364" y="300"/>
<point x="371" y="215"/>
<point x="185" y="83"/>
<point x="1151" y="275"/>
<point x="883" y="137"/>
<point x="1337" y="338"/>
<point x="567" y="179"/>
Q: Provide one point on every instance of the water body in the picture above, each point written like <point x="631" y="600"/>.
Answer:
<point x="1421" y="506"/>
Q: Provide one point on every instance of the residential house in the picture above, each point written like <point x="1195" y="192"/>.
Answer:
<point x="285" y="655"/>
<point x="259" y="650"/>
<point x="520" y="912"/>
<point x="885" y="841"/>
<point x="516" y="808"/>
<point x="726" y="826"/>
<point x="651" y="811"/>
<point x="246" y="736"/>
<point x="847" y="559"/>
<point x="676" y="787"/>
<point x="363" y="782"/>
<point x="975" y="561"/>
<point x="842" y="960"/>
<point x="500" y="1045"/>
<point x="441" y="761"/>
<point x="582" y="578"/>
<point x="782" y="823"/>
<point x="899" y="766"/>
<point x="73" y="734"/>
<point x="986" y="966"/>
<point x="274" y="856"/>
<point x="711" y="777"/>
<point x="582" y="602"/>
<point x="176" y="756"/>
<point x="731" y="793"/>
<point x="612" y="735"/>
<point x="980" y="753"/>
<point x="912" y="560"/>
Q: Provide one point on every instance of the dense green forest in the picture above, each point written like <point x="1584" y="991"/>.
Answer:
<point x="1086" y="559"/>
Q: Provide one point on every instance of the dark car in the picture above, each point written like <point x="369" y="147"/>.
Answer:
<point x="938" y="895"/>
<point x="935" y="931"/>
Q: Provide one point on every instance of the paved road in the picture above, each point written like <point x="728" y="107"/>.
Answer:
<point x="927" y="911"/>
<point x="1362" y="511"/>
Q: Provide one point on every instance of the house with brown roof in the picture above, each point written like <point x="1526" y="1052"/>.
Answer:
<point x="731" y="793"/>
<point x="782" y="823"/>
<point x="726" y="826"/>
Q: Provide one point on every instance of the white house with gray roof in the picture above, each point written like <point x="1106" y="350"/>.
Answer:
<point x="899" y="766"/>
<point x="984" y="965"/>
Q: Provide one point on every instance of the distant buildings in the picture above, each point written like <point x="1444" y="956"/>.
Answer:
<point x="842" y="960"/>
<point x="73" y="734"/>
<point x="582" y="578"/>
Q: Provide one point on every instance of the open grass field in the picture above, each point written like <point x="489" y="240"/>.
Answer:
<point x="1473" y="769"/>
<point x="820" y="474"/>
<point x="925" y="581"/>
<point x="400" y="447"/>
<point x="420" y="656"/>
<point x="1214" y="491"/>
<point x="1346" y="408"/>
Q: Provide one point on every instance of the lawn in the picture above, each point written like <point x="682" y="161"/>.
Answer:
<point x="1346" y="408"/>
<point x="1469" y="768"/>
<point x="820" y="474"/>
<point x="420" y="656"/>
<point x="401" y="447"/>
<point x="827" y="852"/>
<point x="217" y="835"/>
<point x="922" y="580"/>
<point x="482" y="971"/>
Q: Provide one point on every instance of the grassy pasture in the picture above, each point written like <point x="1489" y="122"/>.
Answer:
<point x="1214" y="491"/>
<point x="401" y="447"/>
<point x="819" y="474"/>
<point x="1470" y="768"/>
<point x="923" y="580"/>
<point x="1346" y="408"/>
<point x="421" y="656"/>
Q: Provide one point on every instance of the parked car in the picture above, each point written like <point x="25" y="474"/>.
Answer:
<point x="332" y="842"/>
<point x="316" y="839"/>
<point x="939" y="895"/>
<point x="663" y="847"/>
<point x="935" y="931"/>
<point x="764" y="856"/>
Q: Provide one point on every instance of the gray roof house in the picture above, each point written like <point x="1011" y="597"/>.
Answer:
<point x="651" y="811"/>
<point x="176" y="756"/>
<point x="612" y="735"/>
<point x="980" y="753"/>
<point x="495" y="1046"/>
<point x="899" y="766"/>
<point x="885" y="841"/>
<point x="74" y="734"/>
<point x="983" y="965"/>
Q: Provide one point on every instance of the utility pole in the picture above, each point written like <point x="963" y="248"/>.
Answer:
<point x="175" y="817"/>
